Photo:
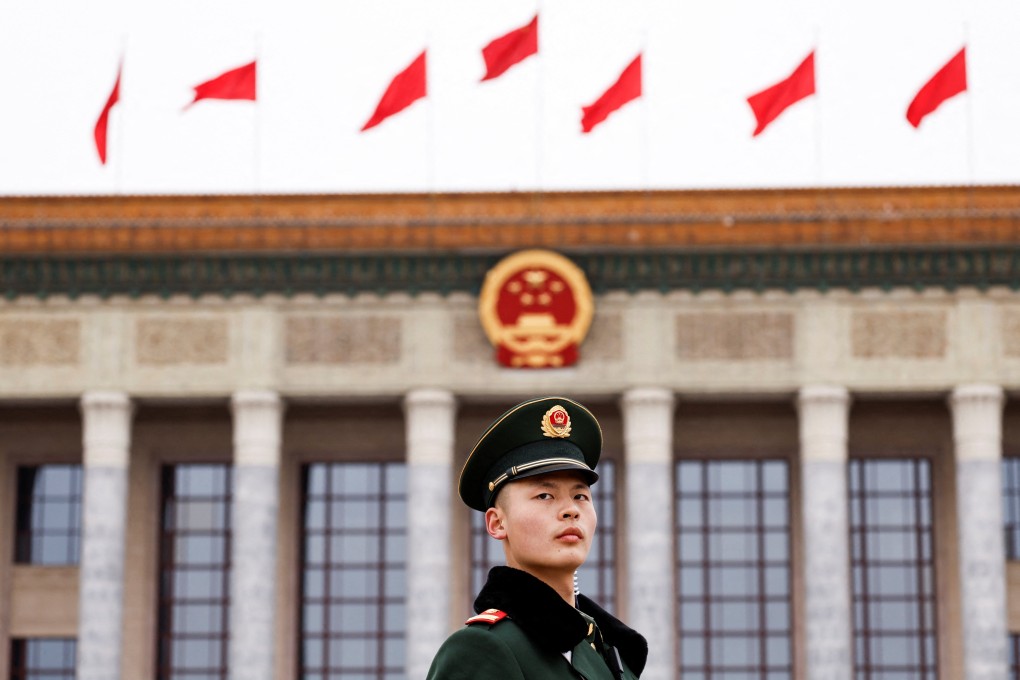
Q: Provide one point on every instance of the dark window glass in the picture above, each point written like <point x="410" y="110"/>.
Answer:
<point x="48" y="515"/>
<point x="597" y="576"/>
<point x="892" y="564"/>
<point x="1011" y="505"/>
<point x="734" y="569"/>
<point x="194" y="584"/>
<point x="1014" y="657"/>
<point x="353" y="599"/>
<point x="42" y="659"/>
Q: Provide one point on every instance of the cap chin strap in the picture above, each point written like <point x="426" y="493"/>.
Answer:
<point x="516" y="470"/>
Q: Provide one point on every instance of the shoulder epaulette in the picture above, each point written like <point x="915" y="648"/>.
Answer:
<point x="489" y="616"/>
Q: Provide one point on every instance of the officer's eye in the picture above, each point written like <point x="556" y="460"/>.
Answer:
<point x="544" y="496"/>
<point x="581" y="497"/>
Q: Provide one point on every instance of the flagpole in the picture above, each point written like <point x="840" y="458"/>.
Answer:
<point x="646" y="118"/>
<point x="430" y="137"/>
<point x="539" y="99"/>
<point x="818" y="112"/>
<point x="257" y="146"/>
<point x="120" y="128"/>
<point x="970" y="107"/>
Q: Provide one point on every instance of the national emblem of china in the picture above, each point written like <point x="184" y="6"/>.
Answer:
<point x="536" y="308"/>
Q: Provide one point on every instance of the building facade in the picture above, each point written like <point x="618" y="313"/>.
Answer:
<point x="231" y="429"/>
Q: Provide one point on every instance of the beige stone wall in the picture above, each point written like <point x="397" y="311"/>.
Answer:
<point x="44" y="601"/>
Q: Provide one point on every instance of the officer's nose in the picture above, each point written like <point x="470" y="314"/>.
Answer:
<point x="572" y="510"/>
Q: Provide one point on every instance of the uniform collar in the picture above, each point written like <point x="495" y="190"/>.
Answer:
<point x="552" y="623"/>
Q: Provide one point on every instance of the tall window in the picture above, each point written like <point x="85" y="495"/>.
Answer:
<point x="892" y="563"/>
<point x="354" y="544"/>
<point x="194" y="584"/>
<point x="1011" y="505"/>
<point x="734" y="569"/>
<point x="596" y="578"/>
<point x="48" y="515"/>
<point x="42" y="659"/>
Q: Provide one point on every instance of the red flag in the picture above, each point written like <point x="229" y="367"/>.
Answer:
<point x="626" y="88"/>
<point x="407" y="87"/>
<point x="238" y="83"/>
<point x="104" y="117"/>
<point x="768" y="104"/>
<point x="510" y="49"/>
<point x="950" y="81"/>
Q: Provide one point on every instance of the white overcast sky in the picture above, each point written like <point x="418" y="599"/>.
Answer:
<point x="323" y="64"/>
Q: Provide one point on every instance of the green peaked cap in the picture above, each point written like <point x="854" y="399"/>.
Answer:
<point x="548" y="434"/>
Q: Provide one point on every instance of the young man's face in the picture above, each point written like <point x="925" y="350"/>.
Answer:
<point x="546" y="522"/>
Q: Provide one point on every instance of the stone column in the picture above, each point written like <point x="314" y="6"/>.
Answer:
<point x="648" y="458"/>
<point x="977" y="435"/>
<point x="106" y="451"/>
<point x="258" y="425"/>
<point x="430" y="435"/>
<point x="824" y="414"/>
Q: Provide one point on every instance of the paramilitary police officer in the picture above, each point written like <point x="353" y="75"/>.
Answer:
<point x="530" y="474"/>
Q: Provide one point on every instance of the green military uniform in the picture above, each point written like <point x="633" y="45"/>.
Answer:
<point x="524" y="629"/>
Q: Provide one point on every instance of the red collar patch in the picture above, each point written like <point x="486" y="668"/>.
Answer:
<point x="489" y="617"/>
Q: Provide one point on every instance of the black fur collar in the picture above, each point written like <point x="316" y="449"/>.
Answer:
<point x="552" y="623"/>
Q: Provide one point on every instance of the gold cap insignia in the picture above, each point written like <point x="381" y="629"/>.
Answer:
<point x="556" y="423"/>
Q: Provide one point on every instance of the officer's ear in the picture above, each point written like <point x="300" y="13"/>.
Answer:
<point x="494" y="523"/>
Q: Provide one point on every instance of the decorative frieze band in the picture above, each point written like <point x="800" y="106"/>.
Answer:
<point x="695" y="270"/>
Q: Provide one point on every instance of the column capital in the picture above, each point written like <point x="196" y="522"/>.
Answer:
<point x="637" y="397"/>
<point x="106" y="427"/>
<point x="258" y="426"/>
<point x="824" y="412"/>
<point x="256" y="399"/>
<point x="648" y="424"/>
<point x="809" y="395"/>
<point x="105" y="399"/>
<point x="430" y="425"/>
<point x="429" y="396"/>
<point x="977" y="420"/>
<point x="985" y="394"/>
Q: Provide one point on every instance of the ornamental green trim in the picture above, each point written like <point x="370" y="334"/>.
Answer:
<point x="444" y="273"/>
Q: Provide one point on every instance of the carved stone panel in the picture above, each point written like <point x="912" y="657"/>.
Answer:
<point x="734" y="336"/>
<point x="187" y="341"/>
<point x="316" y="339"/>
<point x="40" y="342"/>
<point x="898" y="335"/>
